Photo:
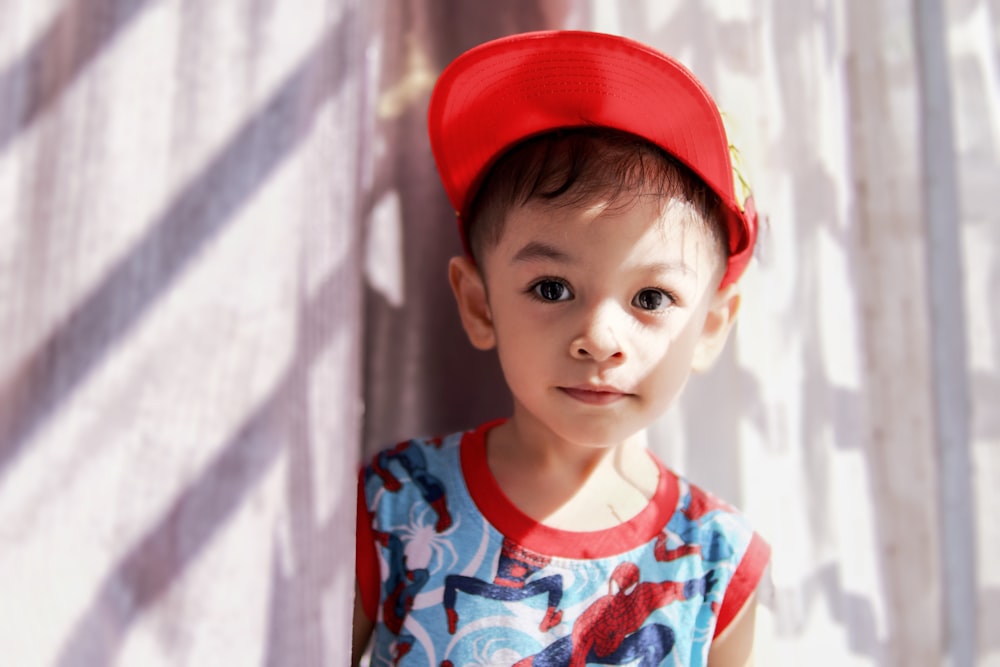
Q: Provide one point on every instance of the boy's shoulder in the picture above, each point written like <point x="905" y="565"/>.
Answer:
<point x="446" y="444"/>
<point x="700" y="510"/>
<point x="435" y="442"/>
<point x="419" y="455"/>
<point x="696" y="503"/>
<point x="419" y="446"/>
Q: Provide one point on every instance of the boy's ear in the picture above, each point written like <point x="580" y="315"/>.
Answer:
<point x="473" y="306"/>
<point x="719" y="321"/>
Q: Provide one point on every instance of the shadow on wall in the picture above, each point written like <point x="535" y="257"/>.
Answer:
<point x="32" y="85"/>
<point x="201" y="211"/>
<point x="421" y="376"/>
<point x="79" y="33"/>
<point x="147" y="572"/>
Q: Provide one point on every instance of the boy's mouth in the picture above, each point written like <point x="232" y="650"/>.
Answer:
<point x="594" y="395"/>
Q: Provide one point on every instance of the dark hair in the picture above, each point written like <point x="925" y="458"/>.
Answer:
<point x="572" y="167"/>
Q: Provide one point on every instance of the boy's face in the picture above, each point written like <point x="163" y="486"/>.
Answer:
<point x="598" y="314"/>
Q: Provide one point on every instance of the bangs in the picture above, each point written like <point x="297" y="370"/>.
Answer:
<point x="577" y="167"/>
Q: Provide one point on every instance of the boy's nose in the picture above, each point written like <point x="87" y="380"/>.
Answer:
<point x="598" y="341"/>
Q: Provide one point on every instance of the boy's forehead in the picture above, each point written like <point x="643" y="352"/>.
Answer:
<point x="656" y="213"/>
<point x="539" y="229"/>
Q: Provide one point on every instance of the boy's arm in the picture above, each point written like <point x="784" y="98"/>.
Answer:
<point x="362" y="628"/>
<point x="734" y="647"/>
<point x="366" y="575"/>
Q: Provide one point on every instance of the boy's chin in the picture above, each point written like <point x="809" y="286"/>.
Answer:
<point x="589" y="426"/>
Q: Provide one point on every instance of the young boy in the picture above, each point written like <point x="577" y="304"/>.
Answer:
<point x="604" y="237"/>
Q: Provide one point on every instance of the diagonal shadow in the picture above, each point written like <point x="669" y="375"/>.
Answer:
<point x="51" y="372"/>
<point x="148" y="570"/>
<point x="57" y="58"/>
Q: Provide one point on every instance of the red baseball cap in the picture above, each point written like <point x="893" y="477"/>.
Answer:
<point x="499" y="93"/>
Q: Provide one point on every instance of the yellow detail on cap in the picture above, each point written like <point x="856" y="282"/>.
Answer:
<point x="740" y="184"/>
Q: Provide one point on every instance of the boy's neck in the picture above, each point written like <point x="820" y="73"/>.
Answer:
<point x="529" y="444"/>
<point x="568" y="485"/>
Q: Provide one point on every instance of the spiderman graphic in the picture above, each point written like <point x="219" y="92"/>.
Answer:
<point x="515" y="567"/>
<point x="408" y="455"/>
<point x="711" y="545"/>
<point x="401" y="588"/>
<point x="611" y="631"/>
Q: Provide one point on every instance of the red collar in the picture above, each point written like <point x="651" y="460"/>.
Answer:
<point x="519" y="527"/>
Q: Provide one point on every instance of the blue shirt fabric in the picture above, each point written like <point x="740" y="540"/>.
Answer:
<point x="454" y="574"/>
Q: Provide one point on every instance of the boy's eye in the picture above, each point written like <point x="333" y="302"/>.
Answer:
<point x="651" y="299"/>
<point x="551" y="290"/>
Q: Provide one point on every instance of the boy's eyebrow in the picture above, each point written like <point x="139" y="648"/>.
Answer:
<point x="678" y="266"/>
<point x="537" y="250"/>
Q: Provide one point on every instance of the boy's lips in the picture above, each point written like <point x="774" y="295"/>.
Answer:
<point x="595" y="395"/>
